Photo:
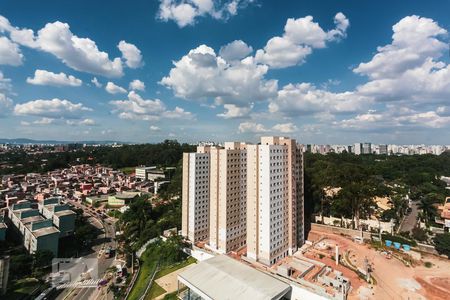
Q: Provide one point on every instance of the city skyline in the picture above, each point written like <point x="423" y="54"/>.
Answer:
<point x="320" y="72"/>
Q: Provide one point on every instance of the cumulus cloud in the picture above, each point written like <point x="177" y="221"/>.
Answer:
<point x="10" y="53"/>
<point x="137" y="85"/>
<point x="96" y="82"/>
<point x="43" y="77"/>
<point x="131" y="54"/>
<point x="233" y="111"/>
<point x="114" y="89"/>
<point x="5" y="89"/>
<point x="256" y="128"/>
<point x="394" y="118"/>
<point x="84" y="122"/>
<point x="285" y="128"/>
<point x="414" y="40"/>
<point x="44" y="121"/>
<point x="236" y="50"/>
<point x="137" y="108"/>
<point x="202" y="75"/>
<point x="79" y="53"/>
<point x="154" y="128"/>
<point x="305" y="98"/>
<point x="300" y="37"/>
<point x="55" y="108"/>
<point x="186" y="12"/>
<point x="252" y="127"/>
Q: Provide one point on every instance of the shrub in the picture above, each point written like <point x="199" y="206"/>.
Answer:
<point x="399" y="239"/>
<point x="428" y="264"/>
<point x="419" y="234"/>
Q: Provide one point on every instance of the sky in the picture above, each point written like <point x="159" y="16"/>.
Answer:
<point x="323" y="71"/>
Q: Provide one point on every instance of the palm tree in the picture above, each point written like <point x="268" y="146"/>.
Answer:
<point x="428" y="210"/>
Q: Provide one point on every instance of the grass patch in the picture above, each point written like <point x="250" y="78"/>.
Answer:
<point x="22" y="288"/>
<point x="114" y="214"/>
<point x="145" y="273"/>
<point x="171" y="296"/>
<point x="175" y="267"/>
<point x="155" y="291"/>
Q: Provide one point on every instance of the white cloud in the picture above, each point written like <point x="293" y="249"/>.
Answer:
<point x="154" y="128"/>
<point x="10" y="53"/>
<point x="236" y="50"/>
<point x="393" y="118"/>
<point x="81" y="54"/>
<point x="233" y="111"/>
<point x="137" y="108"/>
<point x="5" y="83"/>
<point x="186" y="12"/>
<point x="43" y="77"/>
<point x="25" y="123"/>
<point x="131" y="54"/>
<point x="5" y="103"/>
<point x="285" y="128"/>
<point x="251" y="127"/>
<point x="414" y="40"/>
<point x="88" y="122"/>
<point x="305" y="98"/>
<point x="137" y="85"/>
<point x="5" y="89"/>
<point x="44" y="121"/>
<point x="96" y="82"/>
<point x="54" y="108"/>
<point x="300" y="37"/>
<point x="114" y="89"/>
<point x="202" y="75"/>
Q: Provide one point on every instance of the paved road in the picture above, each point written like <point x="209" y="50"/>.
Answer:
<point x="410" y="220"/>
<point x="108" y="238"/>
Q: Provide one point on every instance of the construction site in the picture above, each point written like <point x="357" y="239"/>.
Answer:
<point x="376" y="271"/>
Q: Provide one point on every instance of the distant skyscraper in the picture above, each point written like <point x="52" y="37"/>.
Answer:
<point x="367" y="148"/>
<point x="383" y="149"/>
<point x="357" y="148"/>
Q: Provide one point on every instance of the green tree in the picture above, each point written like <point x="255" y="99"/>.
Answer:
<point x="442" y="243"/>
<point x="429" y="211"/>
<point x="20" y="265"/>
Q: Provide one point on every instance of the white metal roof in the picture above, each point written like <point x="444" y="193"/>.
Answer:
<point x="222" y="277"/>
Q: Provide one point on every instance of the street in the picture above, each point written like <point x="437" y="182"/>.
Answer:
<point x="105" y="239"/>
<point x="410" y="220"/>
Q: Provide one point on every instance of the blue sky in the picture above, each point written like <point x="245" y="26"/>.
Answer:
<point x="320" y="71"/>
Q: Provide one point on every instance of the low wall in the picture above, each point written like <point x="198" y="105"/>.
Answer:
<point x="339" y="230"/>
<point x="371" y="224"/>
<point x="426" y="248"/>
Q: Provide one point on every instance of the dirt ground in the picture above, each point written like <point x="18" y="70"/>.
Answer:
<point x="394" y="280"/>
<point x="170" y="282"/>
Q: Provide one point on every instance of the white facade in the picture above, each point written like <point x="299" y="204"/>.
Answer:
<point x="198" y="196"/>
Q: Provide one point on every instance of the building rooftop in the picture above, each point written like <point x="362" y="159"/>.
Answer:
<point x="32" y="219"/>
<point x="222" y="277"/>
<point x="64" y="213"/>
<point x="43" y="231"/>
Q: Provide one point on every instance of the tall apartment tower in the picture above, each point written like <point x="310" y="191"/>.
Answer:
<point x="275" y="199"/>
<point x="228" y="197"/>
<point x="195" y="194"/>
<point x="367" y="148"/>
<point x="357" y="149"/>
